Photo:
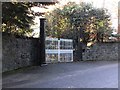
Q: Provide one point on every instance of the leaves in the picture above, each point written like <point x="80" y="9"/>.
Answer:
<point x="15" y="16"/>
<point x="68" y="21"/>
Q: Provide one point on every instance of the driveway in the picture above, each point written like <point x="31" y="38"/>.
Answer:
<point x="89" y="74"/>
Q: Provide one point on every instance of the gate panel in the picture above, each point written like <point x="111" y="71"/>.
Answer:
<point x="59" y="50"/>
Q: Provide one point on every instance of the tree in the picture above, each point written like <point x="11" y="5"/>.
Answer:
<point x="81" y="22"/>
<point x="95" y="23"/>
<point x="16" y="18"/>
<point x="57" y="24"/>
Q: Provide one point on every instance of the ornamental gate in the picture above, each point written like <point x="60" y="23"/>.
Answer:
<point x="59" y="50"/>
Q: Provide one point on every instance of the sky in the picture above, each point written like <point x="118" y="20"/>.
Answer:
<point x="111" y="5"/>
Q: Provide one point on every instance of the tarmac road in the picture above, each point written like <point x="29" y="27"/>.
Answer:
<point x="100" y="74"/>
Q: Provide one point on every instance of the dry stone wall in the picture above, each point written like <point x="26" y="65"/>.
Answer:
<point x="102" y="51"/>
<point x="22" y="52"/>
<point x="18" y="52"/>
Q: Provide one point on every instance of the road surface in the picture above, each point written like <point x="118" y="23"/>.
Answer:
<point x="66" y="75"/>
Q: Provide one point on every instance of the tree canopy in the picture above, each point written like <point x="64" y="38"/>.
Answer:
<point x="73" y="19"/>
<point x="16" y="18"/>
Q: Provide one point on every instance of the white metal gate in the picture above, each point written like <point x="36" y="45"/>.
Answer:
<point x="59" y="50"/>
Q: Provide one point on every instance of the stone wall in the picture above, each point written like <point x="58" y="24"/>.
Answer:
<point x="22" y="52"/>
<point x="18" y="52"/>
<point x="102" y="51"/>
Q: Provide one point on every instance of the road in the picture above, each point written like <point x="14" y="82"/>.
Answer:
<point x="66" y="75"/>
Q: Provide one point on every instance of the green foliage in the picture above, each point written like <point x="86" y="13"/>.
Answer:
<point x="66" y="22"/>
<point x="16" y="17"/>
<point x="58" y="24"/>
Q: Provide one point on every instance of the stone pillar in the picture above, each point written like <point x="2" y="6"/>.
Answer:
<point x="79" y="45"/>
<point x="42" y="56"/>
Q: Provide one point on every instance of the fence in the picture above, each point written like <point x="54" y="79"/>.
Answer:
<point x="59" y="50"/>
